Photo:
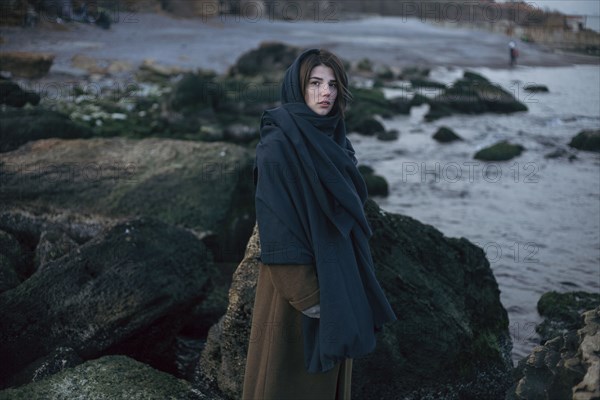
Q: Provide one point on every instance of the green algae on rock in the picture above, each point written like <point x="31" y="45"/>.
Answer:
<point x="109" y="377"/>
<point x="587" y="140"/>
<point x="207" y="187"/>
<point x="452" y="334"/>
<point x="445" y="135"/>
<point x="128" y="291"/>
<point x="501" y="151"/>
<point x="562" y="312"/>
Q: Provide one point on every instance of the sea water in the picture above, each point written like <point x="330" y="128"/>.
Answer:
<point x="537" y="218"/>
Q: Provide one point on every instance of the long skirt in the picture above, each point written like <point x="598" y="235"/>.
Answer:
<point x="275" y="363"/>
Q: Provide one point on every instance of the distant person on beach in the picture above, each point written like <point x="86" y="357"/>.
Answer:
<point x="318" y="303"/>
<point x="513" y="53"/>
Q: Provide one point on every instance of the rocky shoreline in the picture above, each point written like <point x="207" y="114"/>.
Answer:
<point x="118" y="239"/>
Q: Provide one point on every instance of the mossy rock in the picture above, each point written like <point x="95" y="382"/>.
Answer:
<point x="412" y="72"/>
<point x="426" y="83"/>
<point x="8" y="276"/>
<point x="109" y="377"/>
<point x="207" y="187"/>
<point x="267" y="58"/>
<point x="384" y="73"/>
<point x="455" y="340"/>
<point x="562" y="311"/>
<point x="473" y="94"/>
<point x="370" y="101"/>
<point x="588" y="140"/>
<point x="446" y="135"/>
<point x="400" y="105"/>
<point x="128" y="290"/>
<point x="366" y="126"/>
<point x="437" y="111"/>
<point x="388" y="136"/>
<point x="367" y="103"/>
<point x="365" y="65"/>
<point x="365" y="169"/>
<point x="536" y="88"/>
<point x="419" y="99"/>
<point x="500" y="151"/>
<point x="20" y="126"/>
<point x="376" y="184"/>
<point x="25" y="64"/>
<point x="12" y="95"/>
<point x="238" y="96"/>
<point x="473" y="76"/>
<point x="195" y="91"/>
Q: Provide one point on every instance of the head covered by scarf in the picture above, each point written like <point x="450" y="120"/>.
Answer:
<point x="309" y="209"/>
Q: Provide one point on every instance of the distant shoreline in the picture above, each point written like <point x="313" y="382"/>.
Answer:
<point x="214" y="44"/>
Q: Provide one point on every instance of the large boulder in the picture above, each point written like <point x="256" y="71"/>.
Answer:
<point x="191" y="9"/>
<point x="376" y="184"/>
<point x="26" y="64"/>
<point x="445" y="135"/>
<point x="452" y="335"/>
<point x="500" y="151"/>
<point x="268" y="58"/>
<point x="58" y="360"/>
<point x="206" y="187"/>
<point x="473" y="94"/>
<point x="52" y="245"/>
<point x="13" y="95"/>
<point x="365" y="104"/>
<point x="109" y="377"/>
<point x="562" y="312"/>
<point x="565" y="367"/>
<point x="10" y="255"/>
<point x="43" y="237"/>
<point x="588" y="140"/>
<point x="224" y="357"/>
<point x="129" y="290"/>
<point x="22" y="126"/>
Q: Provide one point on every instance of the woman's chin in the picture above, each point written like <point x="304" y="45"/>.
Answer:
<point x="322" y="111"/>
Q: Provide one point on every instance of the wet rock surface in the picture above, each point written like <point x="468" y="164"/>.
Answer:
<point x="26" y="64"/>
<point x="501" y="151"/>
<point x="587" y="140"/>
<point x="128" y="291"/>
<point x="562" y="312"/>
<point x="23" y="126"/>
<point x="203" y="186"/>
<point x="565" y="367"/>
<point x="472" y="94"/>
<point x="13" y="95"/>
<point x="109" y="377"/>
<point x="456" y="333"/>
<point x="446" y="135"/>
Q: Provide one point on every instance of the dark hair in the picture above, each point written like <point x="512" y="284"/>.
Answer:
<point x="328" y="59"/>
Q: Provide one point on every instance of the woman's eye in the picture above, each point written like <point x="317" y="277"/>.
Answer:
<point x="315" y="83"/>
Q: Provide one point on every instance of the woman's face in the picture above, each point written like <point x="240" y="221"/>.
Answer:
<point x="321" y="90"/>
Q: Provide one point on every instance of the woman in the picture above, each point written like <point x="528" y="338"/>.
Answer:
<point x="317" y="302"/>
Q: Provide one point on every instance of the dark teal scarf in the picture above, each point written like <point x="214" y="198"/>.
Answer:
<point x="309" y="208"/>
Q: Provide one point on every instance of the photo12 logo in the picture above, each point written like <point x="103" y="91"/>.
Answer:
<point x="100" y="12"/>
<point x="68" y="172"/>
<point x="468" y="171"/>
<point x="257" y="11"/>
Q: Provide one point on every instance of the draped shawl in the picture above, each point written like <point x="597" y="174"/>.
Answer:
<point x="309" y="209"/>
